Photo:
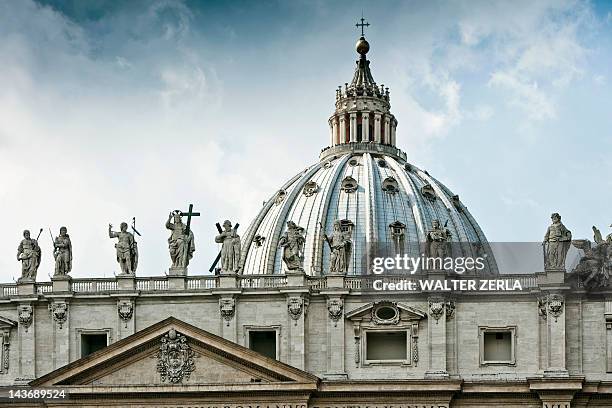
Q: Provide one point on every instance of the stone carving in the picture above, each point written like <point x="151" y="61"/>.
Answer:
<point x="227" y="308"/>
<point x="415" y="349"/>
<point x="126" y="247"/>
<point x="25" y="316"/>
<point x="397" y="231"/>
<point x="440" y="306"/>
<point x="175" y="358"/>
<point x="6" y="337"/>
<point x="551" y="304"/>
<point x="595" y="267"/>
<point x="437" y="240"/>
<point x="125" y="309"/>
<point x="335" y="307"/>
<point x="457" y="203"/>
<point x="296" y="306"/>
<point x="29" y="254"/>
<point x="59" y="312"/>
<point x="349" y="184"/>
<point x="436" y="308"/>
<point x="258" y="240"/>
<point x="428" y="192"/>
<point x="390" y="186"/>
<point x="181" y="243"/>
<point x="310" y="188"/>
<point x="292" y="242"/>
<point x="62" y="252"/>
<point x="556" y="244"/>
<point x="340" y="245"/>
<point x="280" y="197"/>
<point x="385" y="313"/>
<point x="230" y="249"/>
<point x="450" y="309"/>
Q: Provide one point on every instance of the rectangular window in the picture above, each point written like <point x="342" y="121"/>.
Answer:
<point x="497" y="345"/>
<point x="263" y="342"/>
<point x="90" y="343"/>
<point x="386" y="345"/>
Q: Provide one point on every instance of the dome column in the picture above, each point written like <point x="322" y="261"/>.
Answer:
<point x="365" y="127"/>
<point x="377" y="123"/>
<point x="387" y="130"/>
<point x="342" y="130"/>
<point x="353" y="127"/>
<point x="335" y="133"/>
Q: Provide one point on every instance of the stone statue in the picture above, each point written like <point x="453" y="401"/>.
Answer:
<point x="230" y="249"/>
<point x="595" y="267"/>
<point x="556" y="244"/>
<point x="437" y="240"/>
<point x="62" y="252"/>
<point x="29" y="254"/>
<point x="127" y="249"/>
<point x="598" y="237"/>
<point x="180" y="244"/>
<point x="292" y="242"/>
<point x="340" y="245"/>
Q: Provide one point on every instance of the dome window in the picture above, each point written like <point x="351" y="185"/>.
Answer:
<point x="389" y="185"/>
<point x="408" y="167"/>
<point x="397" y="230"/>
<point x="327" y="164"/>
<point x="457" y="203"/>
<point x="386" y="313"/>
<point x="382" y="163"/>
<point x="354" y="162"/>
<point x="428" y="192"/>
<point x="310" y="188"/>
<point x="347" y="226"/>
<point x="349" y="184"/>
<point x="280" y="197"/>
<point x="258" y="240"/>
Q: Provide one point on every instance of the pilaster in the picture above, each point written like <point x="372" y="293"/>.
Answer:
<point x="336" y="346"/>
<point x="377" y="127"/>
<point x="353" y="127"/>
<point x="26" y="335"/>
<point x="59" y="308"/>
<point x="365" y="126"/>
<point x="297" y="307"/>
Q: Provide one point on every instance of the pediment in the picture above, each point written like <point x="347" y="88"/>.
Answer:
<point x="6" y="323"/>
<point x="173" y="352"/>
<point x="374" y="311"/>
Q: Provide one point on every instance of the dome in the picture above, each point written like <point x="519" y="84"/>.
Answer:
<point x="363" y="182"/>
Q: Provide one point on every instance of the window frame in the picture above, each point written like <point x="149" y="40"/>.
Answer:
<point x="79" y="338"/>
<point x="482" y="330"/>
<point x="364" y="346"/>
<point x="275" y="328"/>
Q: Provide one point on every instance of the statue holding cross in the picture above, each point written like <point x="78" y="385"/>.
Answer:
<point x="181" y="242"/>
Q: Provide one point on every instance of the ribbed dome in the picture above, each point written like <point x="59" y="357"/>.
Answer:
<point x="364" y="182"/>
<point x="373" y="190"/>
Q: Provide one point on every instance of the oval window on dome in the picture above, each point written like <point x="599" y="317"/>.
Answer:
<point x="349" y="184"/>
<point x="310" y="188"/>
<point x="389" y="185"/>
<point x="382" y="163"/>
<point x="354" y="162"/>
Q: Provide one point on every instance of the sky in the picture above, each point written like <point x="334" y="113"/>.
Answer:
<point x="112" y="110"/>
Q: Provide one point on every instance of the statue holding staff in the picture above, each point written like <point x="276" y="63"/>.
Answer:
<point x="126" y="247"/>
<point x="340" y="246"/>
<point x="29" y="254"/>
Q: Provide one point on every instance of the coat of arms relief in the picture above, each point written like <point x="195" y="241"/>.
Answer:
<point x="175" y="358"/>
